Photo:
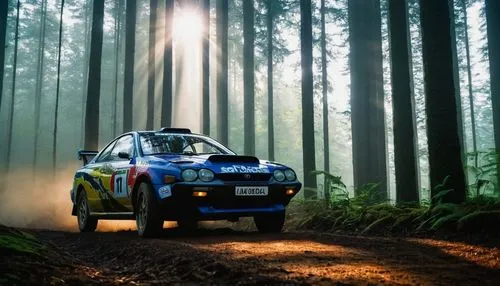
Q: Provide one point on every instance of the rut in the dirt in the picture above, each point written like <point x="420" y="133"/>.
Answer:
<point x="229" y="257"/>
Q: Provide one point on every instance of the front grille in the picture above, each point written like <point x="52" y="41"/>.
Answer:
<point x="244" y="177"/>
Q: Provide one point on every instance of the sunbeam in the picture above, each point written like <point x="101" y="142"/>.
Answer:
<point x="187" y="35"/>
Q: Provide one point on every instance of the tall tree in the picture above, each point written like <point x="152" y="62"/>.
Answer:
<point x="324" y="87"/>
<point x="206" y="68"/>
<point x="151" y="65"/>
<point x="306" y="61"/>
<point x="39" y="79"/>
<point x="94" y="81"/>
<point x="4" y="7"/>
<point x="367" y="95"/>
<point x="456" y="80"/>
<point x="469" y="81"/>
<point x="405" y="137"/>
<point x="166" y="105"/>
<point x="58" y="90"/>
<point x="492" y="8"/>
<point x="442" y="129"/>
<point x="222" y="71"/>
<point x="249" y="76"/>
<point x="13" y="88"/>
<point x="128" y="84"/>
<point x="117" y="49"/>
<point x="270" y="102"/>
<point x="86" y="58"/>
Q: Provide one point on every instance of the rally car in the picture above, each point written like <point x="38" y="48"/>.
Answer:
<point x="175" y="175"/>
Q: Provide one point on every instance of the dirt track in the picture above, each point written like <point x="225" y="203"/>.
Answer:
<point x="224" y="256"/>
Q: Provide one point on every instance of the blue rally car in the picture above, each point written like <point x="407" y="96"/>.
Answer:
<point x="173" y="174"/>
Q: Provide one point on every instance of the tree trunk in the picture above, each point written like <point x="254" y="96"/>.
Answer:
<point x="56" y="115"/>
<point x="222" y="71"/>
<point x="324" y="87"/>
<point x="469" y="84"/>
<point x="4" y="9"/>
<point x="456" y="80"/>
<point x="445" y="162"/>
<point x="39" y="79"/>
<point x="166" y="105"/>
<point x="206" y="68"/>
<point x="13" y="89"/>
<point x="94" y="84"/>
<point x="306" y="61"/>
<point x="405" y="139"/>
<point x="249" y="77"/>
<point x="128" y="83"/>
<point x="85" y="69"/>
<point x="492" y="8"/>
<point x="270" y="103"/>
<point x="367" y="95"/>
<point x="118" y="19"/>
<point x="151" y="65"/>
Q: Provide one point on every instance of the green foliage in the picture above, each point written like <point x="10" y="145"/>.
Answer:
<point x="364" y="214"/>
<point x="482" y="167"/>
<point x="14" y="242"/>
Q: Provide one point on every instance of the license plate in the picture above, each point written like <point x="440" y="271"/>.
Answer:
<point x="251" y="191"/>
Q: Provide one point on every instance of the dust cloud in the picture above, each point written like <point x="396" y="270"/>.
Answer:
<point x="43" y="202"/>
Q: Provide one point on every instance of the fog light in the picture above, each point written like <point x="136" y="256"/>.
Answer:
<point x="168" y="179"/>
<point x="290" y="191"/>
<point x="199" y="194"/>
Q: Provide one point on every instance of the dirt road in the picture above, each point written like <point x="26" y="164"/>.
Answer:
<point x="224" y="256"/>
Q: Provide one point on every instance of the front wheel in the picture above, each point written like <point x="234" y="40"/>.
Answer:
<point x="270" y="223"/>
<point x="147" y="214"/>
<point x="86" y="223"/>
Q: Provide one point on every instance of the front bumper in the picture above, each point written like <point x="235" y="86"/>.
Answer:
<point x="221" y="203"/>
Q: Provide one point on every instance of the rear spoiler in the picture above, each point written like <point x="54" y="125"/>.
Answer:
<point x="86" y="156"/>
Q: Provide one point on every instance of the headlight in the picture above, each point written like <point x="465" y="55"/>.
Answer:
<point x="189" y="175"/>
<point x="206" y="175"/>
<point x="279" y="175"/>
<point x="290" y="175"/>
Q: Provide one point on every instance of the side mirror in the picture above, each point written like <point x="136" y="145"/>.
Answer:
<point x="123" y="155"/>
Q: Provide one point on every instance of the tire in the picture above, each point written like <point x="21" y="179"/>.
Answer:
<point x="147" y="214"/>
<point x="187" y="225"/>
<point x="86" y="223"/>
<point x="270" y="223"/>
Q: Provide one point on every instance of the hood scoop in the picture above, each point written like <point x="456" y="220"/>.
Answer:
<point x="181" y="161"/>
<point x="233" y="159"/>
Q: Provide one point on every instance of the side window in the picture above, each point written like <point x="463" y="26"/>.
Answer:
<point x="105" y="154"/>
<point x="124" y="144"/>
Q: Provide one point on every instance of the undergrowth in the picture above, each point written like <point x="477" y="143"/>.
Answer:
<point x="363" y="214"/>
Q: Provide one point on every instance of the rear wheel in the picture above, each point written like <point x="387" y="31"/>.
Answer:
<point x="270" y="223"/>
<point x="147" y="214"/>
<point x="86" y="223"/>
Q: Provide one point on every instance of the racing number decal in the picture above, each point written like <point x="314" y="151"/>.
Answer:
<point x="120" y="189"/>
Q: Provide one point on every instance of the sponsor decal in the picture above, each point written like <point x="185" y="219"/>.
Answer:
<point x="165" y="191"/>
<point x="244" y="169"/>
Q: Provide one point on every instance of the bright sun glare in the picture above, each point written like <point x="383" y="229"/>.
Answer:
<point x="187" y="26"/>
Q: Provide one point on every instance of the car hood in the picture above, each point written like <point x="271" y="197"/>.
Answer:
<point x="216" y="163"/>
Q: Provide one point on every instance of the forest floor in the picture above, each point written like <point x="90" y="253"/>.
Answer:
<point x="226" y="256"/>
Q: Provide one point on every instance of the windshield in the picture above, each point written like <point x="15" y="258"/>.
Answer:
<point x="186" y="144"/>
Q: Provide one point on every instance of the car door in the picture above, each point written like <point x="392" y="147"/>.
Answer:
<point x="99" y="179"/>
<point x="120" y="172"/>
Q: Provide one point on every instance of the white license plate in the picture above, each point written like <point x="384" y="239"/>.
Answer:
<point x="251" y="191"/>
